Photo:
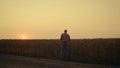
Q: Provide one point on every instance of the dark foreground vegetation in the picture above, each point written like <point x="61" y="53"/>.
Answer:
<point x="104" y="51"/>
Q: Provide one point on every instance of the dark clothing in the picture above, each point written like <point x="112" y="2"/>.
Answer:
<point x="64" y="50"/>
<point x="65" y="38"/>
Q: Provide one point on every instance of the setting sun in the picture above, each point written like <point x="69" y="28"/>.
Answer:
<point x="23" y="37"/>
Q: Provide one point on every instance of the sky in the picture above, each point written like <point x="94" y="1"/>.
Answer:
<point x="47" y="19"/>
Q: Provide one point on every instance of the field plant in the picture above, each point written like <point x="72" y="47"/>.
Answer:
<point x="82" y="50"/>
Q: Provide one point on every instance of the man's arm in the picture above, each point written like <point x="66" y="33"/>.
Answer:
<point x="61" y="36"/>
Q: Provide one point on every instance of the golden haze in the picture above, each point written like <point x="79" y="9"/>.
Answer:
<point x="46" y="19"/>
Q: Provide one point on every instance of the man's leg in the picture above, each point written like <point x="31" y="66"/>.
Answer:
<point x="62" y="51"/>
<point x="67" y="51"/>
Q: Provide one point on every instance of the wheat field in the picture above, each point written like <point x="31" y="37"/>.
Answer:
<point x="105" y="51"/>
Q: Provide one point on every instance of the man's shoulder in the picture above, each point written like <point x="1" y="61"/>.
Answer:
<point x="62" y="34"/>
<point x="65" y="34"/>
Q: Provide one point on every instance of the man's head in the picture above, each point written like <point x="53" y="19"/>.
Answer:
<point x="65" y="31"/>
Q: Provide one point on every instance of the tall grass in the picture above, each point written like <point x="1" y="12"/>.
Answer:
<point x="83" y="50"/>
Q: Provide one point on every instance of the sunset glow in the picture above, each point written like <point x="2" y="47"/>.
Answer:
<point x="23" y="37"/>
<point x="46" y="19"/>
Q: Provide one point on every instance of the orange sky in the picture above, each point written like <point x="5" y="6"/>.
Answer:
<point x="46" y="19"/>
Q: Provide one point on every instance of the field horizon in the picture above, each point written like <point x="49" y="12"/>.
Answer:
<point x="59" y="39"/>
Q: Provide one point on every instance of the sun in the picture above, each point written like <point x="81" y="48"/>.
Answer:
<point x="23" y="37"/>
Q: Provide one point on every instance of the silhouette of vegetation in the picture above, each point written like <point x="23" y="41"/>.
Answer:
<point x="105" y="51"/>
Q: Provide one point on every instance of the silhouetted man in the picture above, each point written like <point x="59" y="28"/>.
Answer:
<point x="65" y="38"/>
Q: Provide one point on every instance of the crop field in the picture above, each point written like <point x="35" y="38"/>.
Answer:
<point x="105" y="51"/>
